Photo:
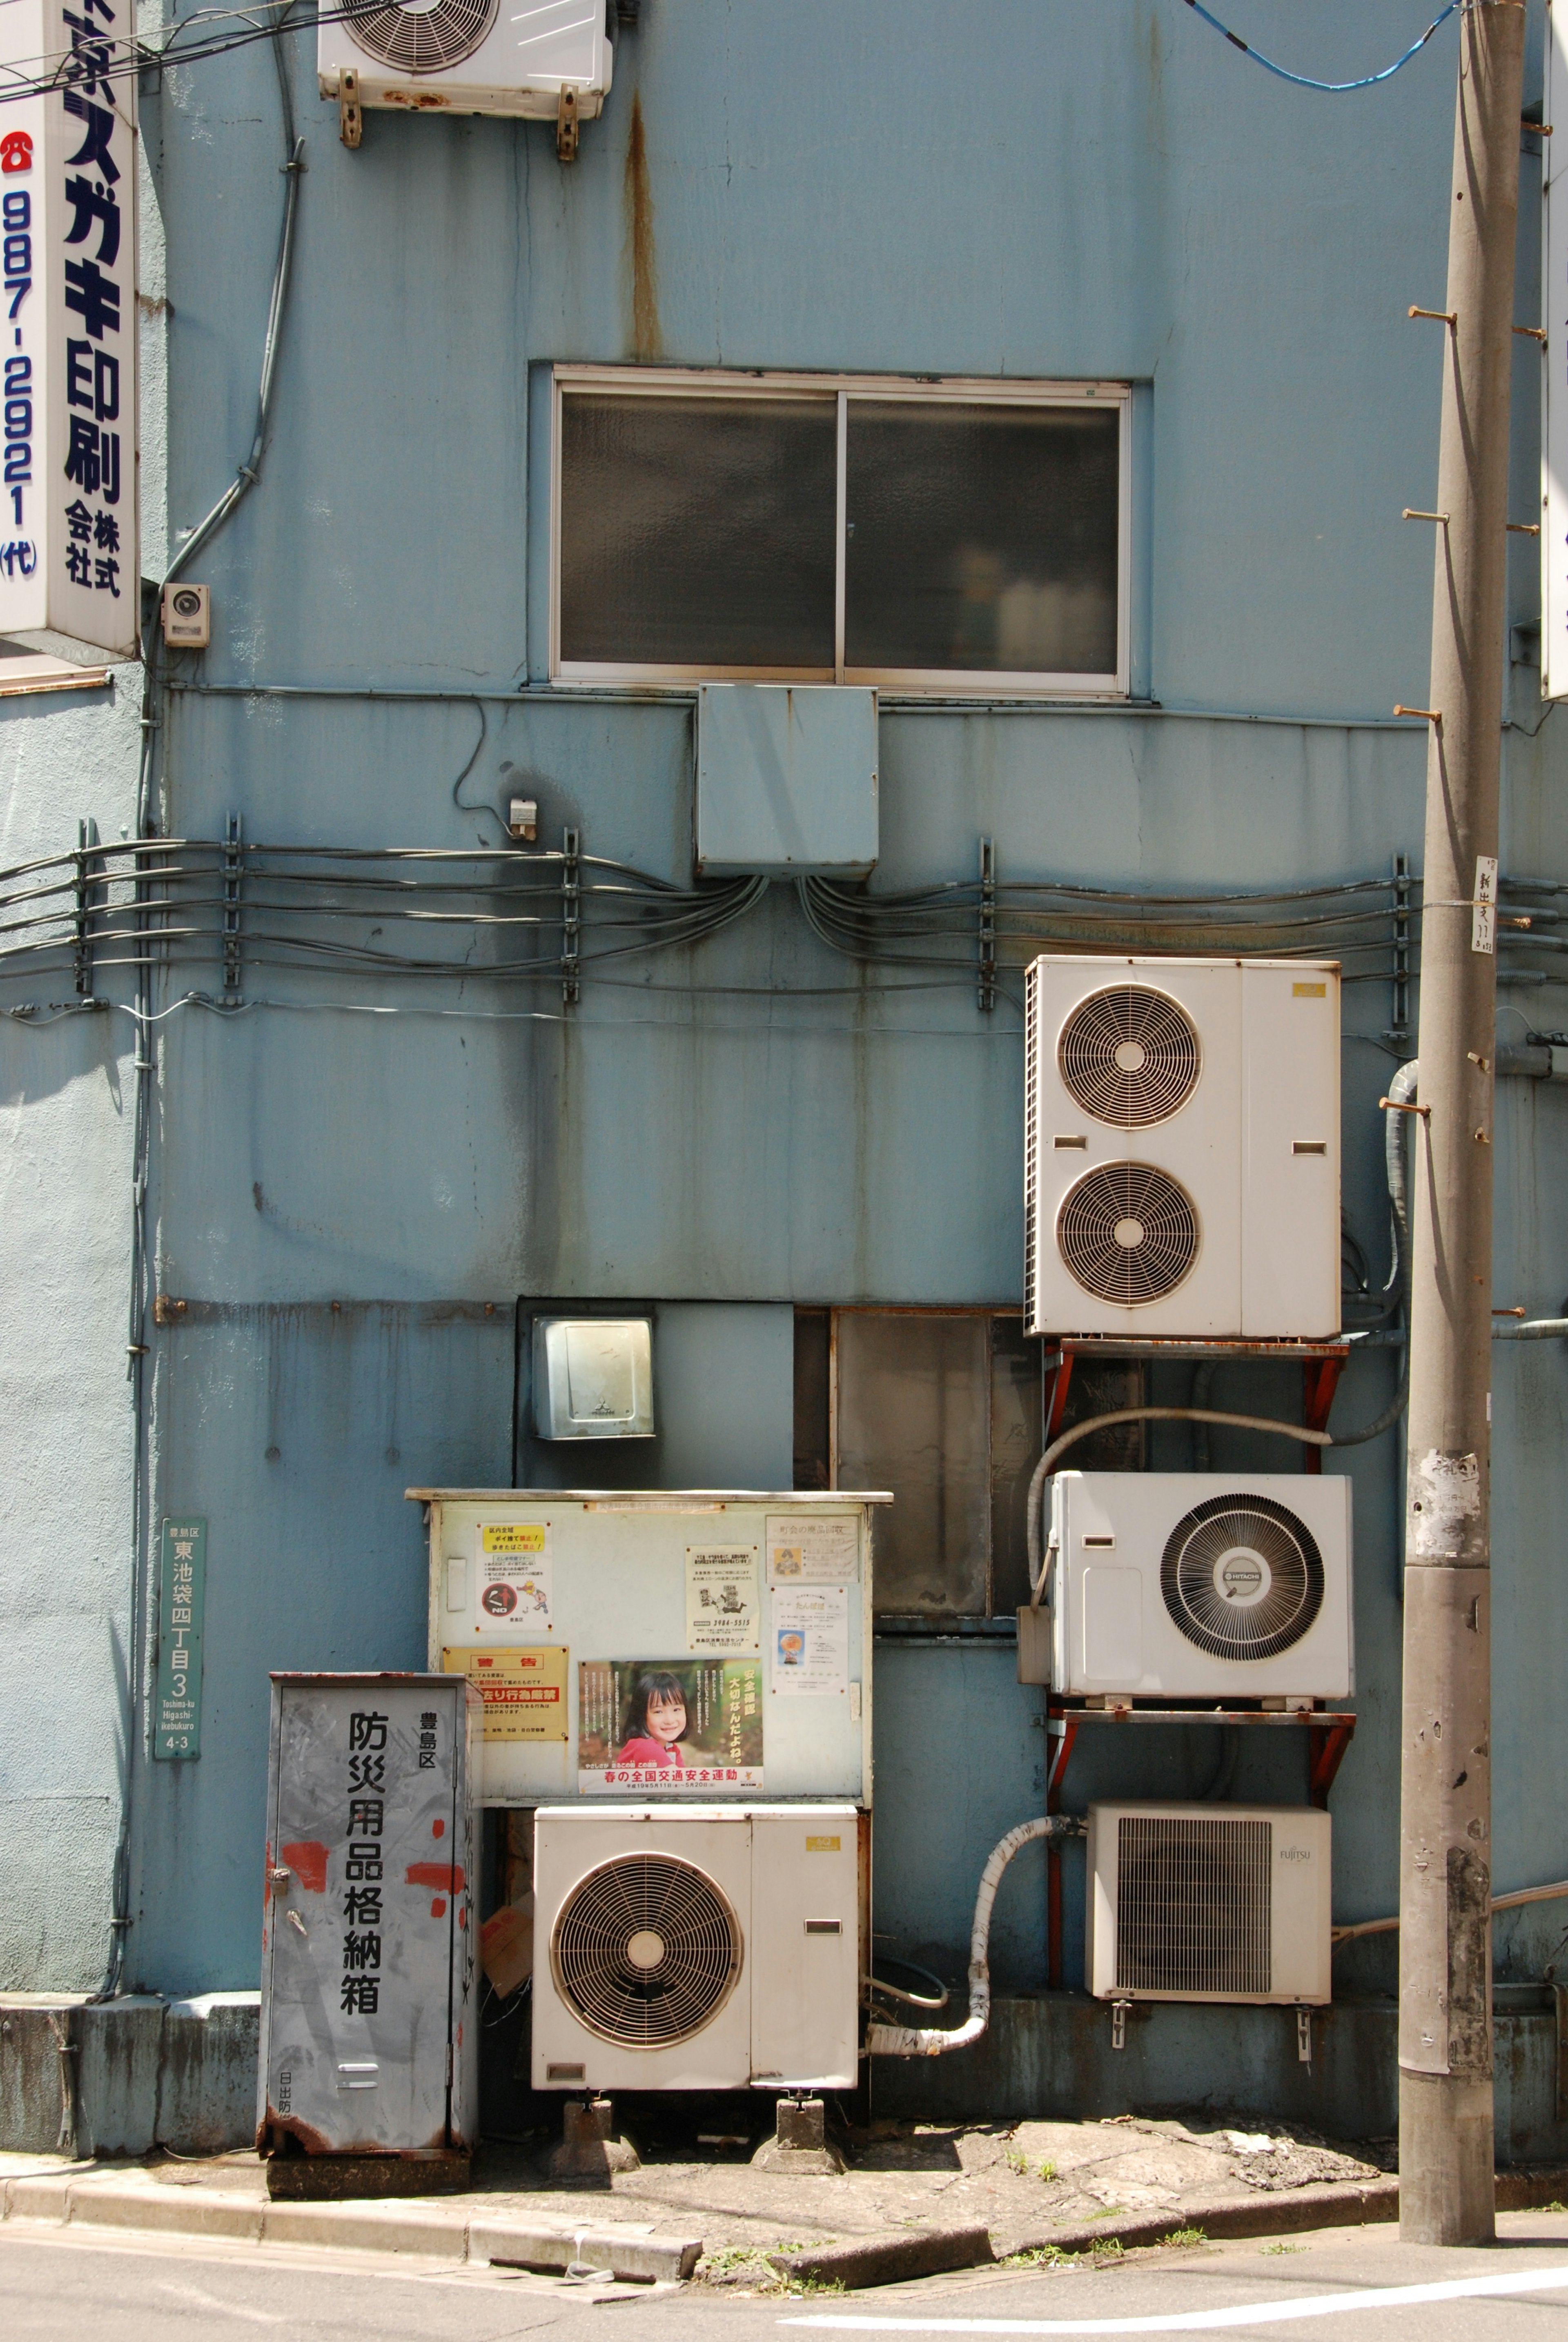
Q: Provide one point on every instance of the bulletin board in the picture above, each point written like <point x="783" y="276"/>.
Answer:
<point x="688" y="1646"/>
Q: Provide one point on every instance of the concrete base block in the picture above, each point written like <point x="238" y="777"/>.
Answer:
<point x="800" y="2142"/>
<point x="333" y="2178"/>
<point x="79" y="2074"/>
<point x="207" y="2073"/>
<point x="589" y="2149"/>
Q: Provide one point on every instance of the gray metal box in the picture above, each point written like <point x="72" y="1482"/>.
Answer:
<point x="593" y="1378"/>
<point x="369" y="2031"/>
<point x="786" y="780"/>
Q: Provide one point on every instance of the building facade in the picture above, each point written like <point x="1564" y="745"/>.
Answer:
<point x="1017" y="254"/>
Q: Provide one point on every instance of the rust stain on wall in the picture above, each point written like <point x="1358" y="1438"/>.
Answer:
<point x="646" y="335"/>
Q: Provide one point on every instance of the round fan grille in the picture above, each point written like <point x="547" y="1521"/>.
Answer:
<point x="422" y="39"/>
<point x="1242" y="1576"/>
<point x="1129" y="1055"/>
<point x="645" y="1951"/>
<point x="1128" y="1233"/>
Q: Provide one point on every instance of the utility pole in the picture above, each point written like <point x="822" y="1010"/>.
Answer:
<point x="1445" y="2144"/>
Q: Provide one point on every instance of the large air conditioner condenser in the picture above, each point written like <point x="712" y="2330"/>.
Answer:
<point x="1181" y="1148"/>
<point x="469" y="56"/>
<point x="696" y="1948"/>
<point x="1199" y="1585"/>
<point x="1192" y="1902"/>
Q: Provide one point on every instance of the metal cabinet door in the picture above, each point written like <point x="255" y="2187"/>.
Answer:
<point x="358" y="1976"/>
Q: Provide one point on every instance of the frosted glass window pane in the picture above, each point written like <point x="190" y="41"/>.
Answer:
<point x="982" y="538"/>
<point x="698" y="532"/>
<point x="912" y="1409"/>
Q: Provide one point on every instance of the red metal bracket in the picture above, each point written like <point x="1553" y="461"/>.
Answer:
<point x="1327" y="1745"/>
<point x="1320" y="1380"/>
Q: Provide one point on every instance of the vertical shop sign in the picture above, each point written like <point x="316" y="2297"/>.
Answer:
<point x="70" y="562"/>
<point x="181" y="1597"/>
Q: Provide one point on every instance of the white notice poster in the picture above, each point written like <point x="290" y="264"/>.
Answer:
<point x="804" y="1551"/>
<point x="721" y="1611"/>
<point x="809" y="1641"/>
<point x="512" y="1578"/>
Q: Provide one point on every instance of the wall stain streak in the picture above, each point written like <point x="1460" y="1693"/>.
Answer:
<point x="646" y="336"/>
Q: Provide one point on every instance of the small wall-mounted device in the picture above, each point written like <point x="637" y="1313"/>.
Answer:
<point x="522" y="819"/>
<point x="593" y="1378"/>
<point x="187" y="617"/>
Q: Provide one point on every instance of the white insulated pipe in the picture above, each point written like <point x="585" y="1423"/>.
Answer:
<point x="912" y="2041"/>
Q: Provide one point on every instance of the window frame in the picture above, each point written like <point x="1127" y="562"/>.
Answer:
<point x="946" y="683"/>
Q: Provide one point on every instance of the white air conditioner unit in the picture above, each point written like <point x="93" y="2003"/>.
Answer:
<point x="1208" y="1903"/>
<point x="1201" y="1586"/>
<point x="470" y="57"/>
<point x="700" y="1949"/>
<point x="1181" y="1148"/>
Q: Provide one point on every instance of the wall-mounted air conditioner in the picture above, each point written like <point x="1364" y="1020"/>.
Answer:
<point x="470" y="57"/>
<point x="1181" y="1148"/>
<point x="700" y="1948"/>
<point x="1196" y="1584"/>
<point x="1208" y="1903"/>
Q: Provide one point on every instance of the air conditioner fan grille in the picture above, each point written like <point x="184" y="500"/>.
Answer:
<point x="645" y="1951"/>
<point x="1128" y="1232"/>
<point x="1194" y="1905"/>
<point x="1129" y="1055"/>
<point x="1242" y="1576"/>
<point x="421" y="40"/>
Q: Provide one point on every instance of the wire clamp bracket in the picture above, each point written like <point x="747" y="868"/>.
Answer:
<point x="350" y="118"/>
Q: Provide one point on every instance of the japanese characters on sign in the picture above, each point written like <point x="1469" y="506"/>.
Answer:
<point x="511" y="1578"/>
<point x="69" y="558"/>
<point x="722" y="1599"/>
<point x="524" y="1693"/>
<point x="669" y="1726"/>
<point x="182" y="1598"/>
<point x="807" y="1551"/>
<point x="362" y="1879"/>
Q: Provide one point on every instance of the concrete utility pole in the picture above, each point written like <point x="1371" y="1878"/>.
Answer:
<point x="1445" y="2146"/>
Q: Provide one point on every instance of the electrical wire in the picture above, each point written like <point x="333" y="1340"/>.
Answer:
<point x="1305" y="80"/>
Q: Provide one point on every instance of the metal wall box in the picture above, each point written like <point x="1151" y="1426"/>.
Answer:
<point x="593" y="1378"/>
<point x="786" y="780"/>
<point x="369" y="2022"/>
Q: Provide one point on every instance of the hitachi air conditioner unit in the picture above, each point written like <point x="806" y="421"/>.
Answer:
<point x="705" y="1948"/>
<point x="1208" y="1903"/>
<point x="1181" y="1148"/>
<point x="470" y="57"/>
<point x="1199" y="1585"/>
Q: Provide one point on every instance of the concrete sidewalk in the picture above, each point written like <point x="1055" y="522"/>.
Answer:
<point x="915" y="2195"/>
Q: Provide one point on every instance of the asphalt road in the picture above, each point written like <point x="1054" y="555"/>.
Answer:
<point x="1342" y="2286"/>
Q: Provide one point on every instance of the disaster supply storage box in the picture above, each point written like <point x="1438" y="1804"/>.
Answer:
<point x="368" y="2080"/>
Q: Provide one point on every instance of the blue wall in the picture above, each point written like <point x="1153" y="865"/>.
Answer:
<point x="350" y="1203"/>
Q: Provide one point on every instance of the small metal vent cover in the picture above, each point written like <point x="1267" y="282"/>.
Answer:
<point x="1194" y="1905"/>
<point x="421" y="39"/>
<point x="1242" y="1576"/>
<point x="1129" y="1055"/>
<point x="1128" y="1232"/>
<point x="645" y="1951"/>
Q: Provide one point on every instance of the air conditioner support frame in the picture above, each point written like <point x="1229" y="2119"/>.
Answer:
<point x="1321" y="1365"/>
<point x="1328" y="1732"/>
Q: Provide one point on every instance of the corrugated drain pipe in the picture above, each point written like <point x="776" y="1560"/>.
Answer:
<point x="910" y="2041"/>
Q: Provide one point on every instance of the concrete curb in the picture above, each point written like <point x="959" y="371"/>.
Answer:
<point x="887" y="2259"/>
<point x="1283" y="2212"/>
<point x="367" y="2228"/>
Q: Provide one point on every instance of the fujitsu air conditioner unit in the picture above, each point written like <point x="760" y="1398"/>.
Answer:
<point x="1181" y="1148"/>
<point x="700" y="1949"/>
<point x="1208" y="1903"/>
<point x="1196" y="1586"/>
<point x="470" y="57"/>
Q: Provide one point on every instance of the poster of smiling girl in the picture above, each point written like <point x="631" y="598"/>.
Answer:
<point x="670" y="1726"/>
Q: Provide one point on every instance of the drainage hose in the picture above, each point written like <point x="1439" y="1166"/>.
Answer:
<point x="907" y="2041"/>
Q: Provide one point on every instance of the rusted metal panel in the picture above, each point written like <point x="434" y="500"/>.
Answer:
<point x="369" y="2039"/>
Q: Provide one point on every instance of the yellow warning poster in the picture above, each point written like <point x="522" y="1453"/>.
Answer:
<point x="523" y="1691"/>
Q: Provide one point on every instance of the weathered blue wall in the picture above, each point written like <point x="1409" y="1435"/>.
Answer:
<point x="1127" y="197"/>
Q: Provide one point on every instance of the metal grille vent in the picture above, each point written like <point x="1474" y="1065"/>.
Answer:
<point x="1128" y="1232"/>
<point x="647" y="1951"/>
<point x="1129" y="1055"/>
<point x="1193" y="1905"/>
<point x="1242" y="1576"/>
<point x="421" y="40"/>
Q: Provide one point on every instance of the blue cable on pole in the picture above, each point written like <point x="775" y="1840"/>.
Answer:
<point x="1305" y="80"/>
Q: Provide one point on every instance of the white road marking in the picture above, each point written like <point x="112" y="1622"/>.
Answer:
<point x="224" y="2309"/>
<point x="1548" y="2278"/>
